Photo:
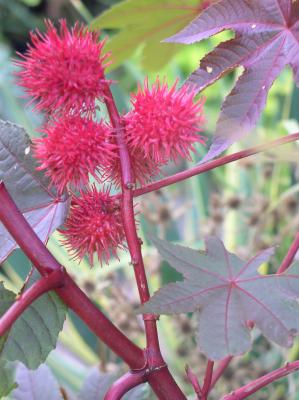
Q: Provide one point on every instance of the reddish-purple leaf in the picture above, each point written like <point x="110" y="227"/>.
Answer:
<point x="240" y="15"/>
<point x="42" y="207"/>
<point x="267" y="39"/>
<point x="229" y="296"/>
<point x="38" y="384"/>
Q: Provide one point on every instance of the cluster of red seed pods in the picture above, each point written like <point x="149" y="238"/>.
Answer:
<point x="63" y="71"/>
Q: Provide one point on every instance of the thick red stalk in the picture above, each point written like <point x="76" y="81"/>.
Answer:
<point x="73" y="296"/>
<point x="70" y="293"/>
<point x="287" y="261"/>
<point x="199" y="169"/>
<point x="124" y="384"/>
<point x="207" y="380"/>
<point x="261" y="382"/>
<point x="49" y="282"/>
<point x="163" y="384"/>
<point x="161" y="381"/>
<point x="127" y="200"/>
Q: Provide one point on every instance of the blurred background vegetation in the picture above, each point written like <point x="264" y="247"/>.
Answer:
<point x="251" y="204"/>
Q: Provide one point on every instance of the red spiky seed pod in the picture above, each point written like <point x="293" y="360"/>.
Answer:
<point x="72" y="148"/>
<point x="144" y="169"/>
<point x="64" y="69"/>
<point x="94" y="225"/>
<point x="164" y="122"/>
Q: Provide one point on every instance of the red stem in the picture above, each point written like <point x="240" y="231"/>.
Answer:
<point x="287" y="261"/>
<point x="124" y="384"/>
<point x="199" y="169"/>
<point x="71" y="294"/>
<point x="194" y="381"/>
<point x="163" y="384"/>
<point x="219" y="371"/>
<point x="207" y="380"/>
<point x="127" y="200"/>
<point x="261" y="382"/>
<point x="170" y="389"/>
<point x="49" y="282"/>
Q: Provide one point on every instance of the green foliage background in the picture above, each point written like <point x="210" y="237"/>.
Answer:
<point x="251" y="204"/>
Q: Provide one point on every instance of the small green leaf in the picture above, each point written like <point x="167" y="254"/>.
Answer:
<point x="146" y="23"/>
<point x="7" y="382"/>
<point x="39" y="384"/>
<point x="35" y="332"/>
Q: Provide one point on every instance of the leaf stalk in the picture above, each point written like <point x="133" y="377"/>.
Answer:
<point x="210" y="165"/>
<point x="287" y="261"/>
<point x="263" y="381"/>
<point x="124" y="384"/>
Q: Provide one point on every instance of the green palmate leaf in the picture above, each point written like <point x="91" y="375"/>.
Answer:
<point x="147" y="23"/>
<point x="229" y="296"/>
<point x="35" y="332"/>
<point x="39" y="384"/>
<point x="7" y="382"/>
<point x="41" y="206"/>
<point x="97" y="384"/>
